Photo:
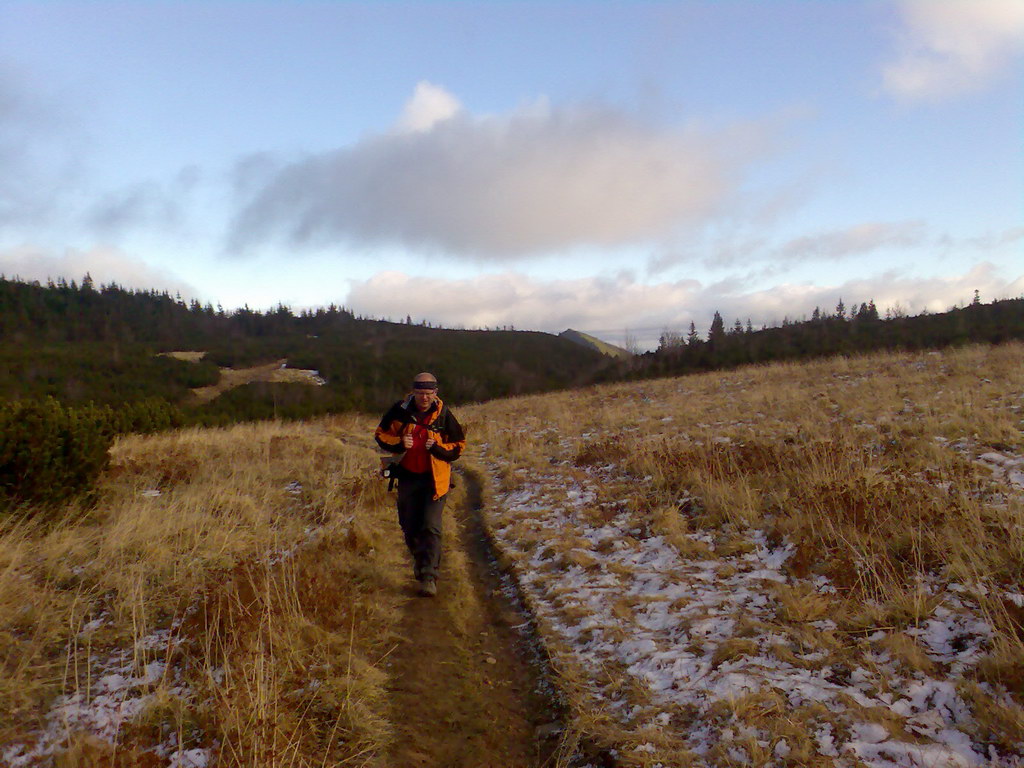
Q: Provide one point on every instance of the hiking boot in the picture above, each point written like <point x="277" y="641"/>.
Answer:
<point x="428" y="587"/>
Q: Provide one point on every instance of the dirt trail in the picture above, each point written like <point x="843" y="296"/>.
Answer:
<point x="475" y="696"/>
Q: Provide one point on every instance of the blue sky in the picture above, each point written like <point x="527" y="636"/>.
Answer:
<point x="620" y="168"/>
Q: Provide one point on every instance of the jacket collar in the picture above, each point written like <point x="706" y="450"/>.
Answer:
<point x="435" y="409"/>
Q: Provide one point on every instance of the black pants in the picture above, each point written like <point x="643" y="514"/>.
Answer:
<point x="420" y="518"/>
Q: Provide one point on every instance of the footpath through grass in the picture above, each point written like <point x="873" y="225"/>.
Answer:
<point x="242" y="596"/>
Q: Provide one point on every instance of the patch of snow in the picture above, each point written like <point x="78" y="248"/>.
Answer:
<point x="826" y="741"/>
<point x="119" y="693"/>
<point x="91" y="626"/>
<point x="191" y="758"/>
<point x="1015" y="597"/>
<point x="679" y="613"/>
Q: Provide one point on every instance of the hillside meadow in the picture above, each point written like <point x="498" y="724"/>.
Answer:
<point x="793" y="564"/>
<point x="813" y="564"/>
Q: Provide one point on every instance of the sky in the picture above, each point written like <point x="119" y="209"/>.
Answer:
<point x="621" y="168"/>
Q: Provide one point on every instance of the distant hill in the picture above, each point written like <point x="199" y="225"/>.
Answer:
<point x="85" y="343"/>
<point x="591" y="342"/>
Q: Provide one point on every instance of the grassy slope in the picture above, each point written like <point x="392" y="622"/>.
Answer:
<point x="247" y="578"/>
<point x="586" y="340"/>
<point x="648" y="522"/>
<point x="266" y="586"/>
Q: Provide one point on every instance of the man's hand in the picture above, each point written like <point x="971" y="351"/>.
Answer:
<point x="430" y="443"/>
<point x="407" y="441"/>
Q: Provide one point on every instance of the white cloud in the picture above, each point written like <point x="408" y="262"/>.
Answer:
<point x="990" y="241"/>
<point x="950" y="47"/>
<point x="825" y="247"/>
<point x="611" y="306"/>
<point x="45" y="176"/>
<point x="852" y="241"/>
<point x="38" y="157"/>
<point x="146" y="205"/>
<point x="538" y="179"/>
<point x="104" y="265"/>
<point x="429" y="105"/>
<point x="515" y="299"/>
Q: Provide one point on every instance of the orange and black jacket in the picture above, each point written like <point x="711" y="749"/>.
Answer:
<point x="402" y="418"/>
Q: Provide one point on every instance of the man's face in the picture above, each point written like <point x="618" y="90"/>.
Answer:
<point x="424" y="393"/>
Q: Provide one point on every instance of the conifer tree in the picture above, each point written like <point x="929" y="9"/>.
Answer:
<point x="717" y="329"/>
<point x="692" y="338"/>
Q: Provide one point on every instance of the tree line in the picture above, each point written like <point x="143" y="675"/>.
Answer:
<point x="82" y="343"/>
<point x="854" y="330"/>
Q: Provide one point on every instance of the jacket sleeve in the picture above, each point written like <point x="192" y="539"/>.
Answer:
<point x="389" y="432"/>
<point x="453" y="440"/>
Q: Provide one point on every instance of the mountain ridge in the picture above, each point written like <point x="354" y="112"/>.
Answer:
<point x="592" y="342"/>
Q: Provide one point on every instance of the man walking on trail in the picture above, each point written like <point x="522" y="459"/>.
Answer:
<point x="427" y="435"/>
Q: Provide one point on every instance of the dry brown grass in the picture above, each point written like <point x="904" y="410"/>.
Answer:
<point x="864" y="466"/>
<point x="236" y="377"/>
<point x="265" y="558"/>
<point x="187" y="356"/>
<point x="271" y="558"/>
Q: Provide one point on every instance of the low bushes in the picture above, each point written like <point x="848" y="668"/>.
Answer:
<point x="51" y="452"/>
<point x="48" y="452"/>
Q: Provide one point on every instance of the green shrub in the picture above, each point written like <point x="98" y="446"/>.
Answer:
<point x="264" y="400"/>
<point x="49" y="453"/>
<point x="140" y="417"/>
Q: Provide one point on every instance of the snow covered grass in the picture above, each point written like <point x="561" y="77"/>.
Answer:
<point x="219" y="604"/>
<point x="800" y="564"/>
